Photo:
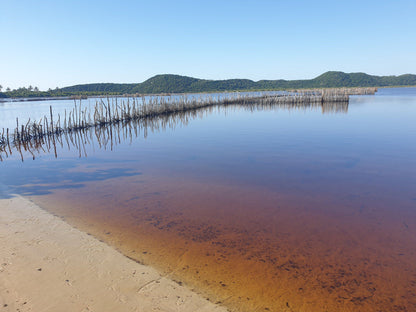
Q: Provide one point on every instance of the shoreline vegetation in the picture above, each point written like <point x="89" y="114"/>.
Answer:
<point x="112" y="112"/>
<point x="167" y="84"/>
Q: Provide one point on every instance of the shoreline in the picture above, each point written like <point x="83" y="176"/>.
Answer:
<point x="83" y="97"/>
<point x="47" y="265"/>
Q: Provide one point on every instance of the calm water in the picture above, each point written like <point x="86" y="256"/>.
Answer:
<point x="270" y="208"/>
<point x="35" y="110"/>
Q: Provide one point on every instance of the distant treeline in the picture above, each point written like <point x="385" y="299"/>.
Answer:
<point x="26" y="93"/>
<point x="182" y="84"/>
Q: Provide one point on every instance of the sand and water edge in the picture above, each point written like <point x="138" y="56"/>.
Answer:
<point x="48" y="265"/>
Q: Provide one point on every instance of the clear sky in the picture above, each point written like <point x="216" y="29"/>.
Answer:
<point x="59" y="43"/>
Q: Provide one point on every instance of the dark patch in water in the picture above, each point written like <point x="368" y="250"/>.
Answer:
<point x="44" y="180"/>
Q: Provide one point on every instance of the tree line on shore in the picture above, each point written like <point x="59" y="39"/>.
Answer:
<point x="183" y="84"/>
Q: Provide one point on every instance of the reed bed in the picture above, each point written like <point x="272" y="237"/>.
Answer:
<point x="112" y="111"/>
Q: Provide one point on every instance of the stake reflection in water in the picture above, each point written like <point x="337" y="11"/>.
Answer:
<point x="108" y="135"/>
<point x="144" y="108"/>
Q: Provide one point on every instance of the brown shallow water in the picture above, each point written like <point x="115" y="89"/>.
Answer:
<point x="254" y="249"/>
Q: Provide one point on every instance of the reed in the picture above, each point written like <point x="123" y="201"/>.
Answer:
<point x="112" y="111"/>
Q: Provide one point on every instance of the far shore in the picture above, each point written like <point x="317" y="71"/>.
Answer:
<point x="77" y="97"/>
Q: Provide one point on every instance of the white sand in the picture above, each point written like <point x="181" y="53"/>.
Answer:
<point x="47" y="265"/>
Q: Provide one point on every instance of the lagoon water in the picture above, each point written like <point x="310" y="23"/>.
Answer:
<point x="259" y="208"/>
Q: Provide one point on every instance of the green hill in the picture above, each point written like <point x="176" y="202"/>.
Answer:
<point x="182" y="84"/>
<point x="165" y="84"/>
<point x="100" y="87"/>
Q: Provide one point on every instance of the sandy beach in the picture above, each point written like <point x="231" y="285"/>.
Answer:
<point x="47" y="265"/>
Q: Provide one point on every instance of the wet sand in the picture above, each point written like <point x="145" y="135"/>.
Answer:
<point x="47" y="265"/>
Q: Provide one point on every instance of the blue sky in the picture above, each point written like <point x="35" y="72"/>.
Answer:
<point x="61" y="43"/>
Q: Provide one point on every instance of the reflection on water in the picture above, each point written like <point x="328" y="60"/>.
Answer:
<point x="259" y="208"/>
<point x="108" y="136"/>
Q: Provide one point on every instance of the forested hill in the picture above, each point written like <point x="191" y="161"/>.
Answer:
<point x="182" y="84"/>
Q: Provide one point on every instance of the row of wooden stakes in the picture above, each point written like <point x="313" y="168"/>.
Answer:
<point x="113" y="111"/>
